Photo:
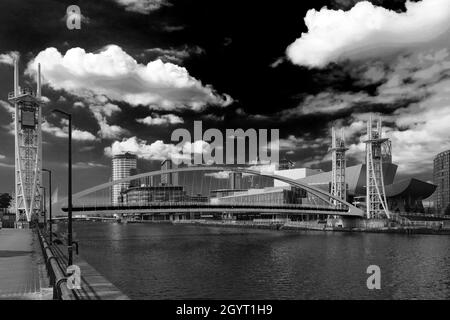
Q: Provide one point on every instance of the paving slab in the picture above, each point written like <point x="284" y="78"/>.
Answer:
<point x="22" y="266"/>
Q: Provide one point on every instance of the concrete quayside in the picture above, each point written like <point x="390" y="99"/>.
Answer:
<point x="33" y="269"/>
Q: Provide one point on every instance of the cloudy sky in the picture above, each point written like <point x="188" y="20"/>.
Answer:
<point x="138" y="69"/>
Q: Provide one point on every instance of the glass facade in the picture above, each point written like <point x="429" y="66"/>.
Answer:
<point x="441" y="178"/>
<point x="144" y="195"/>
<point x="267" y="196"/>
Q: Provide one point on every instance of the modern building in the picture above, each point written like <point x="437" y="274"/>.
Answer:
<point x="271" y="195"/>
<point x="441" y="178"/>
<point x="144" y="195"/>
<point x="402" y="196"/>
<point x="217" y="193"/>
<point x="235" y="179"/>
<point x="294" y="173"/>
<point x="170" y="179"/>
<point x="122" y="166"/>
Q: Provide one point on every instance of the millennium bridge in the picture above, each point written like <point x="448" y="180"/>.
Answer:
<point x="321" y="202"/>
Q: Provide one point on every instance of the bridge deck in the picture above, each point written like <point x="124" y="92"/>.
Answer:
<point x="193" y="206"/>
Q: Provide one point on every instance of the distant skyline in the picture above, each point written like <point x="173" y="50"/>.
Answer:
<point x="139" y="69"/>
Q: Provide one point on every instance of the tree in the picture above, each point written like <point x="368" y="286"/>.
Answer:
<point x="5" y="200"/>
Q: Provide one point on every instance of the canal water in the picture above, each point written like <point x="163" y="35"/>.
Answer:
<point x="161" y="261"/>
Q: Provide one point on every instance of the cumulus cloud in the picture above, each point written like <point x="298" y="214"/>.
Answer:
<point x="142" y="6"/>
<point x="59" y="132"/>
<point x="115" y="74"/>
<point x="174" y="55"/>
<point x="8" y="58"/>
<point x="102" y="109"/>
<point x="161" y="120"/>
<point x="158" y="150"/>
<point x="367" y="31"/>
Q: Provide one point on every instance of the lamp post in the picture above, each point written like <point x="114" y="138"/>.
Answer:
<point x="69" y="188"/>
<point x="44" y="208"/>
<point x="50" y="202"/>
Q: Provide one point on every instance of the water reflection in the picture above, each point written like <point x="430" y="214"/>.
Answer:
<point x="156" y="261"/>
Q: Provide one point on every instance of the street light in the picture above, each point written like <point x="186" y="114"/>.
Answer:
<point x="69" y="187"/>
<point x="44" y="207"/>
<point x="50" y="201"/>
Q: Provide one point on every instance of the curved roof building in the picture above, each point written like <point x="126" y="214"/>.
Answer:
<point x="403" y="196"/>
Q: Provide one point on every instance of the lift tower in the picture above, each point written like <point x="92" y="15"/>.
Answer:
<point x="338" y="164"/>
<point x="378" y="150"/>
<point x="28" y="147"/>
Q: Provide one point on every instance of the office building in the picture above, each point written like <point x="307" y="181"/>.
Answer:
<point x="441" y="178"/>
<point x="122" y="166"/>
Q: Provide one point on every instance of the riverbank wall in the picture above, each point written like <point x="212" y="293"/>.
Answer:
<point x="333" y="225"/>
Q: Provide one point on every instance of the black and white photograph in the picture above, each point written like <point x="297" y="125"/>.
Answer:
<point x="224" y="156"/>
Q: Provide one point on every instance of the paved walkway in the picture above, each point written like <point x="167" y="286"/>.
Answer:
<point x="93" y="285"/>
<point x="22" y="267"/>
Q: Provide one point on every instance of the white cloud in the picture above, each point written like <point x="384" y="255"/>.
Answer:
<point x="219" y="175"/>
<point x="7" y="106"/>
<point x="2" y="156"/>
<point x="118" y="76"/>
<point x="77" y="134"/>
<point x="102" y="109"/>
<point x="158" y="150"/>
<point x="142" y="6"/>
<point x="175" y="55"/>
<point x="88" y="165"/>
<point x="82" y="135"/>
<point x="101" y="113"/>
<point x="267" y="168"/>
<point x="6" y="165"/>
<point x="368" y="31"/>
<point x="8" y="58"/>
<point x="161" y="120"/>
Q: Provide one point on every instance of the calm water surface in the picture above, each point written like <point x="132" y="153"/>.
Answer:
<point x="151" y="261"/>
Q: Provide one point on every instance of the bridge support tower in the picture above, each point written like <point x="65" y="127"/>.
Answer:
<point x="378" y="150"/>
<point x="338" y="164"/>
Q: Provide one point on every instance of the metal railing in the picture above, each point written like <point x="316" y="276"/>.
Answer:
<point x="22" y="92"/>
<point x="187" y="204"/>
<point x="58" y="279"/>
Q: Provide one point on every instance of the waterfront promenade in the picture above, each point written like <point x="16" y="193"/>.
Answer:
<point x="24" y="275"/>
<point x="22" y="266"/>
